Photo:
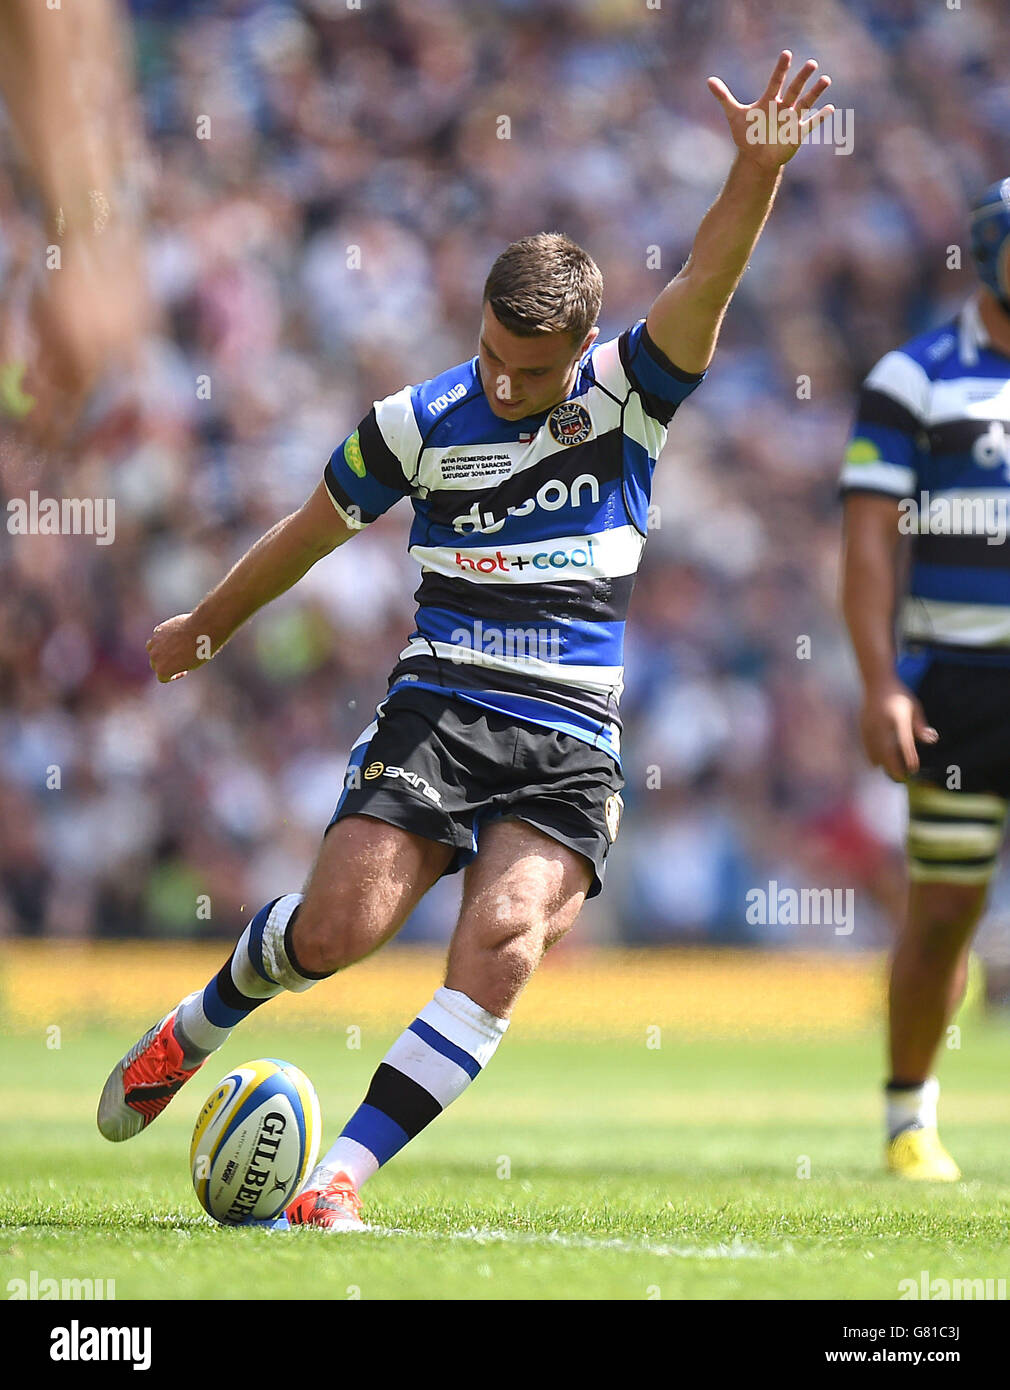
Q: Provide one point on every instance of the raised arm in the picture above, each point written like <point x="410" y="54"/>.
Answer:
<point x="276" y="562"/>
<point x="685" y="318"/>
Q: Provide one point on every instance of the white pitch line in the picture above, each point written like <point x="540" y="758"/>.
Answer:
<point x="736" y="1249"/>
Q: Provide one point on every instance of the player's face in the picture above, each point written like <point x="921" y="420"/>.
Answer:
<point x="523" y="376"/>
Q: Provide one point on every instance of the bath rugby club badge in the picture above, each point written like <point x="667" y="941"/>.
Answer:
<point x="570" y="423"/>
<point x="612" y="811"/>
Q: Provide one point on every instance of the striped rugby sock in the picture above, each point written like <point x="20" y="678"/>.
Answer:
<point x="427" y="1068"/>
<point x="261" y="966"/>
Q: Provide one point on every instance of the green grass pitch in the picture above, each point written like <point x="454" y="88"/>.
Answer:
<point x="569" y="1170"/>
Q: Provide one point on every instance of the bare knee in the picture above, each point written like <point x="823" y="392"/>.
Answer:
<point x="367" y="880"/>
<point x="520" y="896"/>
<point x="942" y="917"/>
<point x="514" y="944"/>
<point x="519" y="919"/>
<point x="497" y="948"/>
<point x="493" y="962"/>
<point x="326" y="937"/>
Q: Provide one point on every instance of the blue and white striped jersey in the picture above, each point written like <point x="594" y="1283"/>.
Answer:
<point x="528" y="532"/>
<point x="933" y="430"/>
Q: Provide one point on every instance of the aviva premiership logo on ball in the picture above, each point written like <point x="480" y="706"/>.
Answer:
<point x="570" y="423"/>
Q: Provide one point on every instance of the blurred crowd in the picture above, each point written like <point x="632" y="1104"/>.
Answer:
<point x="282" y="136"/>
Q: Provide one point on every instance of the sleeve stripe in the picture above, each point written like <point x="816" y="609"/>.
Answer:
<point x="352" y="512"/>
<point x="397" y="426"/>
<point x="660" y="385"/>
<point x="354" y="519"/>
<point x="903" y="379"/>
<point x="381" y="462"/>
<point x="892" y="478"/>
<point x="864" y="490"/>
<point x="608" y="369"/>
<point x="652" y="404"/>
<point x="663" y="362"/>
<point x="880" y="408"/>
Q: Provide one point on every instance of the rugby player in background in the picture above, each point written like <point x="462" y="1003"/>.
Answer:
<point x="932" y="430"/>
<point x="529" y="469"/>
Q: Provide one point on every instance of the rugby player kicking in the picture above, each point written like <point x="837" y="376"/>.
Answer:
<point x="529" y="470"/>
<point x="931" y="445"/>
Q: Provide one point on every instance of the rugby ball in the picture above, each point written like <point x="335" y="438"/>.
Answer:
<point x="255" y="1142"/>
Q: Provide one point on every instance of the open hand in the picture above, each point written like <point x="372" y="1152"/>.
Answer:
<point x="770" y="130"/>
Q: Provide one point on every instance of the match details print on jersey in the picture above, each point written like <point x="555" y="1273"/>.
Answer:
<point x="528" y="532"/>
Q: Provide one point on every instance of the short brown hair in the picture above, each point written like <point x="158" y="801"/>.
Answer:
<point x="545" y="284"/>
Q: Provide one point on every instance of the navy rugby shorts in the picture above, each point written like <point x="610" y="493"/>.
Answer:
<point x="958" y="800"/>
<point x="441" y="768"/>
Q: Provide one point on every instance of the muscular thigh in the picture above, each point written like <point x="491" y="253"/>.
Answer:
<point x="368" y="878"/>
<point x="520" y="895"/>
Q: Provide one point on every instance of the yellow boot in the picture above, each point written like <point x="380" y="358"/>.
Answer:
<point x="917" y="1154"/>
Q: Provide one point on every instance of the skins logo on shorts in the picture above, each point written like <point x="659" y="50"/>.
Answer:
<point x="352" y="455"/>
<point x="612" y="810"/>
<point x="413" y="779"/>
<point x="570" y="423"/>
